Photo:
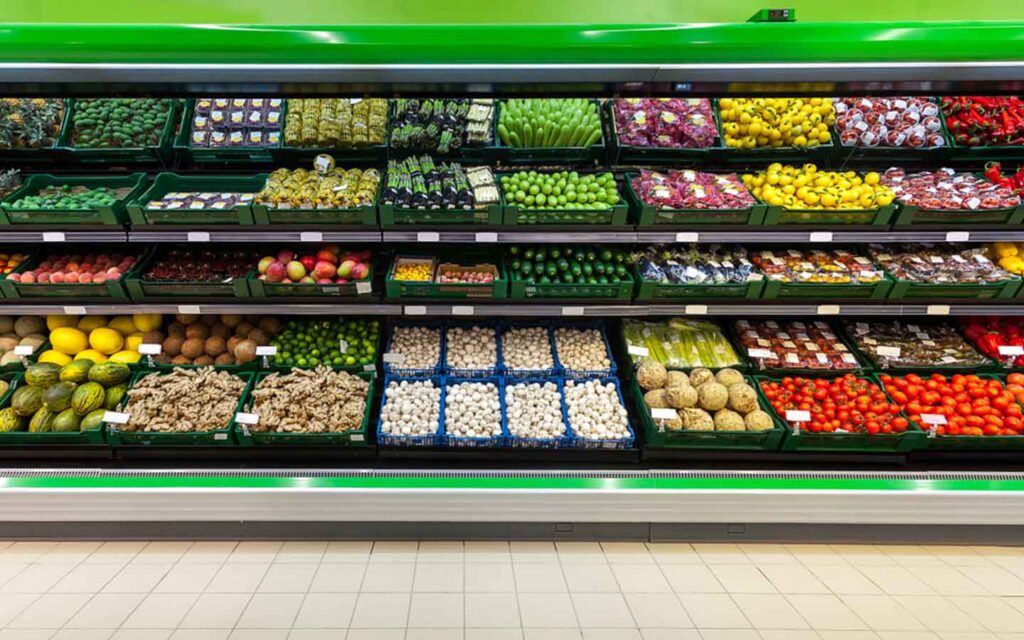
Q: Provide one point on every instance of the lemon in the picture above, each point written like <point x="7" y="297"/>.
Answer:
<point x="69" y="340"/>
<point x="54" y="357"/>
<point x="88" y="323"/>
<point x="127" y="357"/>
<point x="106" y="341"/>
<point x="91" y="354"/>
<point x="53" y="322"/>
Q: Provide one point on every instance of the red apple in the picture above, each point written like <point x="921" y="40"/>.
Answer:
<point x="327" y="256"/>
<point x="309" y="262"/>
<point x="295" y="270"/>
<point x="14" y="277"/>
<point x="333" y="248"/>
<point x="360" y="271"/>
<point x="275" y="271"/>
<point x="342" y="281"/>
<point x="285" y="256"/>
<point x="264" y="263"/>
<point x="73" y="266"/>
<point x="324" y="269"/>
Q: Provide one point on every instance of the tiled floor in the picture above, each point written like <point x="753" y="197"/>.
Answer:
<point x="504" y="591"/>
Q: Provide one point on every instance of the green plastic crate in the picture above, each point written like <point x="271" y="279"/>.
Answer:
<point x="867" y="357"/>
<point x="170" y="182"/>
<point x="648" y="290"/>
<point x="17" y="366"/>
<point x="28" y="154"/>
<point x="595" y="153"/>
<point x="911" y="214"/>
<point x="128" y="155"/>
<point x="142" y="290"/>
<point x="218" y="437"/>
<point x="904" y="289"/>
<point x="366" y="153"/>
<point x="879" y="217"/>
<point x="113" y="289"/>
<point x="112" y="215"/>
<point x="649" y="215"/>
<point x="629" y="154"/>
<point x="391" y="215"/>
<point x="970" y="443"/>
<point x="356" y="438"/>
<point x="22" y="438"/>
<point x="818" y="290"/>
<point x="658" y="438"/>
<point x="616" y="216"/>
<point x="261" y="289"/>
<point x="365" y="215"/>
<point x="522" y="290"/>
<point x="774" y="154"/>
<point x="498" y="289"/>
<point x="220" y="155"/>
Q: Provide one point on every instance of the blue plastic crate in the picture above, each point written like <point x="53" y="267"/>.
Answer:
<point x="473" y="373"/>
<point x="567" y="441"/>
<point x="510" y="372"/>
<point x="463" y="442"/>
<point x="578" y="373"/>
<point x="392" y="440"/>
<point x="587" y="443"/>
<point x="398" y="370"/>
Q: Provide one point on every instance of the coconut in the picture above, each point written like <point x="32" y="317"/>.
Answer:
<point x="153" y="337"/>
<point x="224" y="358"/>
<point x="697" y="420"/>
<point x="176" y="329"/>
<point x="681" y="396"/>
<point x="259" y="336"/>
<point x="197" y="330"/>
<point x="655" y="399"/>
<point x="758" y="420"/>
<point x="651" y="375"/>
<point x="193" y="348"/>
<point x="215" y="346"/>
<point x="186" y="318"/>
<point x="700" y="375"/>
<point x="712" y="396"/>
<point x="181" y="360"/>
<point x="271" y="325"/>
<point x="6" y="324"/>
<point x="203" y="361"/>
<point x="230" y="320"/>
<point x="221" y="330"/>
<point x="172" y="345"/>
<point x="243" y="328"/>
<point x="245" y="351"/>
<point x="728" y="420"/>
<point x="742" y="397"/>
<point x="728" y="377"/>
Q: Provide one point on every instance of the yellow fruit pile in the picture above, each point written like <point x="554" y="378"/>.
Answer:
<point x="807" y="188"/>
<point x="413" y="271"/>
<point x="775" y="122"/>
<point x="1008" y="255"/>
<point x="99" y="339"/>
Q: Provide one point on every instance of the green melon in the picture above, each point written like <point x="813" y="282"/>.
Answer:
<point x="114" y="396"/>
<point x="58" y="397"/>
<point x="92" y="421"/>
<point x="42" y="422"/>
<point x="88" y="398"/>
<point x="66" y="421"/>
<point x="11" y="421"/>
<point x="27" y="400"/>
<point x="109" y="373"/>
<point x="77" y="371"/>
<point x="43" y="375"/>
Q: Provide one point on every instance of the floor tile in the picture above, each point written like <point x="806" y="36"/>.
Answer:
<point x="882" y="612"/>
<point x="216" y="611"/>
<point x="968" y="636"/>
<point x="441" y="551"/>
<point x="8" y="571"/>
<point x="580" y="553"/>
<point x="499" y="610"/>
<point x="115" y="552"/>
<point x="270" y="611"/>
<point x="316" y="634"/>
<point x="431" y="610"/>
<point x="847" y="635"/>
<point x="533" y="551"/>
<point x="651" y="610"/>
<point x="716" y="553"/>
<point x="187" y="578"/>
<point x="788" y="634"/>
<point x="36" y="578"/>
<point x="674" y="553"/>
<point x="994" y="613"/>
<point x="793" y="579"/>
<point x="907" y="635"/>
<point x="438" y="577"/>
<point x="640" y="578"/>
<point x="552" y="634"/>
<point x="472" y="633"/>
<point x="489" y="577"/>
<point x="897" y="581"/>
<point x="209" y="552"/>
<point x="83" y="634"/>
<point x="768" y="611"/>
<point x="434" y="634"/>
<point x="948" y="581"/>
<point x="337" y="578"/>
<point x="594" y="578"/>
<point x="301" y="551"/>
<point x="602" y="610"/>
<point x="546" y="610"/>
<point x="70" y="552"/>
<point x="670" y="634"/>
<point x="627" y="553"/>
<point x="87" y="578"/>
<point x="486" y="551"/>
<point x="326" y="610"/>
<point x="816" y="555"/>
<point x="254" y="552"/>
<point x="26" y="634"/>
<point x="137" y="578"/>
<point x="388" y="577"/>
<point x="864" y="555"/>
<point x="713" y="611"/>
<point x="846" y="579"/>
<point x="26" y="552"/>
<point x="375" y="634"/>
<point x="959" y="556"/>
<point x="911" y="555"/>
<point x="347" y="551"/>
<point x="539" y="578"/>
<point x="381" y="611"/>
<point x="729" y="634"/>
<point x="106" y="611"/>
<point x="11" y="605"/>
<point x="995" y="580"/>
<point x="141" y="634"/>
<point x="238" y="578"/>
<point x="259" y="634"/>
<point x="162" y="552"/>
<point x="692" y="578"/>
<point x="49" y="611"/>
<point x="287" y="578"/>
<point x="160" y="611"/>
<point x="939" y="614"/>
<point x="742" y="578"/>
<point x="201" y="634"/>
<point x="394" y="551"/>
<point x="768" y="554"/>
<point x="826" y="612"/>
<point x="611" y="634"/>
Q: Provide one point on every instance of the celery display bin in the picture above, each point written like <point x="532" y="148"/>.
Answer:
<point x="18" y="438"/>
<point x="220" y="437"/>
<point x="594" y="153"/>
<point x="497" y="289"/>
<point x="171" y="182"/>
<point x="658" y="437"/>
<point x="148" y="154"/>
<point x="651" y="290"/>
<point x="846" y="442"/>
<point x="647" y="215"/>
<point x="141" y="290"/>
<point x="910" y="214"/>
<point x="109" y="289"/>
<point x="114" y="214"/>
<point x="905" y="289"/>
<point x="878" y="217"/>
<point x="631" y="154"/>
<point x="777" y="289"/>
<point x="263" y="289"/>
<point x="226" y="154"/>
<point x="247" y="437"/>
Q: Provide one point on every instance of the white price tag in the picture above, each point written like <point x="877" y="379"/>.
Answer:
<point x="24" y="350"/>
<point x="393" y="358"/>
<point x="247" y="418"/>
<point x="828" y="309"/>
<point x="462" y="310"/>
<point x="958" y="236"/>
<point x="1010" y="350"/>
<point x="889" y="352"/>
<point x="369" y="367"/>
<point x="74" y="311"/>
<point x="151" y="349"/>
<point x="53" y="236"/>
<point x="760" y="353"/>
<point x="198" y="236"/>
<point x="343" y="346"/>
<point x="933" y="418"/>
<point x="636" y="350"/>
<point x="311" y="236"/>
<point x="116" y="417"/>
<point x="938" y="310"/>
<point x="330" y="291"/>
<point x="486" y="236"/>
<point x="792" y="415"/>
<point x="572" y="311"/>
<point x="696" y="310"/>
<point x="662" y="413"/>
<point x="687" y="236"/>
<point x="415" y="310"/>
<point x="364" y="287"/>
<point x="188" y="309"/>
<point x="427" y="236"/>
<point x="220" y="436"/>
<point x="820" y="236"/>
<point x="356" y="437"/>
<point x="268" y="350"/>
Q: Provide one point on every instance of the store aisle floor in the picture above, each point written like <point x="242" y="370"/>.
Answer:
<point x="505" y="591"/>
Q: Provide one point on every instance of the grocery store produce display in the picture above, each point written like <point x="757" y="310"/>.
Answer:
<point x="998" y="338"/>
<point x="329" y="265"/>
<point x="19" y="331"/>
<point x="690" y="189"/>
<point x="181" y="400"/>
<point x="568" y="264"/>
<point x="947" y="189"/>
<point x="900" y="344"/>
<point x="75" y="268"/>
<point x="808" y="188"/>
<point x="10" y="181"/>
<point x="817" y="273"/>
<point x="560" y="190"/>
<point x="970" y="405"/>
<point x="933" y="265"/>
<point x="10" y="260"/>
<point x="351" y="343"/>
<point x="335" y="188"/>
<point x="749" y="123"/>
<point x="679" y="343"/>
<point x="309" y="401"/>
<point x="98" y="338"/>
<point x="902" y="121"/>
<point x="200" y="201"/>
<point x="185" y="264"/>
<point x="843" y="404"/>
<point x="420" y="183"/>
<point x="113" y="123"/>
<point x="549" y="122"/>
<point x="70" y="196"/>
<point x="30" y="123"/>
<point x="695" y="264"/>
<point x="236" y="122"/>
<point x="213" y="340"/>
<point x="335" y="122"/>
<point x="675" y="123"/>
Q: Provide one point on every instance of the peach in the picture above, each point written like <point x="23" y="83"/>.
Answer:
<point x="71" y="277"/>
<point x="85" y="278"/>
<point x="43" y="277"/>
<point x="99" y="278"/>
<point x="57" y="277"/>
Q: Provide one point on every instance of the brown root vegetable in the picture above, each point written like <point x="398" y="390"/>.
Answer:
<point x="152" y="337"/>
<point x="271" y="325"/>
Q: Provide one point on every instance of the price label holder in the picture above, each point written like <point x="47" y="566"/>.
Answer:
<point x="265" y="353"/>
<point x="311" y="236"/>
<point x="958" y="236"/>
<point x="198" y="236"/>
<point x="245" y="420"/>
<point x="357" y="437"/>
<point x="637" y="350"/>
<point x="797" y="418"/>
<point x="415" y="310"/>
<point x="74" y="311"/>
<point x="486" y="236"/>
<point x="116" y="417"/>
<point x="53" y="236"/>
<point x="393" y="358"/>
<point x="662" y="413"/>
<point x="462" y="310"/>
<point x="1010" y="353"/>
<point x="370" y="368"/>
<point x="427" y="236"/>
<point x="828" y="309"/>
<point x="933" y="420"/>
<point x="687" y="236"/>
<point x="150" y="350"/>
<point x="23" y="351"/>
<point x="760" y="354"/>
<point x="937" y="310"/>
<point x="820" y="236"/>
<point x="364" y="287"/>
<point x="889" y="352"/>
<point x="189" y="309"/>
<point x="696" y="310"/>
<point x="573" y="311"/>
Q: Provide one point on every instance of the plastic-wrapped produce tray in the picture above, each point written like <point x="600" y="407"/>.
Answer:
<point x="648" y="290"/>
<point x="16" y="438"/>
<point x="645" y="214"/>
<point x="581" y="442"/>
<point x="872" y="363"/>
<point x="365" y="215"/>
<point x="909" y="214"/>
<point x="491" y="372"/>
<point x="220" y="155"/>
<point x="171" y="182"/>
<point x="217" y="437"/>
<point x="429" y="440"/>
<point x="631" y="154"/>
<point x="355" y="438"/>
<point x="351" y="153"/>
<point x="112" y="215"/>
<point x="579" y="373"/>
<point x="147" y="154"/>
<point x="825" y="291"/>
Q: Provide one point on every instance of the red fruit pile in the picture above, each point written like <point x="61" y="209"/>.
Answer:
<point x="90" y="268"/>
<point x="972" y="406"/>
<point x="889" y="122"/>
<point x="200" y="265"/>
<point x="988" y="334"/>
<point x="981" y="121"/>
<point x="329" y="265"/>
<point x="843" y="404"/>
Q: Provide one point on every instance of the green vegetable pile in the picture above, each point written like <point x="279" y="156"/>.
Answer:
<point x="332" y="342"/>
<point x="568" y="264"/>
<point x="560" y="190"/>
<point x="114" y="123"/>
<point x="70" y="197"/>
<point x="549" y="123"/>
<point x="679" y="343"/>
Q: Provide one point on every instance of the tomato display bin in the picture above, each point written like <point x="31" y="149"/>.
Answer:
<point x="777" y="289"/>
<point x="129" y="155"/>
<point x="391" y="216"/>
<point x="905" y="289"/>
<point x="659" y="437"/>
<point x="645" y="214"/>
<point x="170" y="182"/>
<point x="649" y="290"/>
<point x="969" y="443"/>
<point x="246" y="437"/>
<point x="909" y="214"/>
<point x="113" y="289"/>
<point x="263" y="289"/>
<point x="595" y="153"/>
<point x="879" y="217"/>
<point x="498" y="289"/>
<point x="220" y="155"/>
<point x="913" y="438"/>
<point x="630" y="154"/>
<point x="112" y="215"/>
<point x="18" y="438"/>
<point x="217" y="437"/>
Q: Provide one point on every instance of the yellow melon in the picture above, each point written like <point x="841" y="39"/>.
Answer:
<point x="147" y="321"/>
<point x="106" y="341"/>
<point x="89" y="323"/>
<point x="123" y="325"/>
<point x="127" y="357"/>
<point x="69" y="340"/>
<point x="53" y="322"/>
<point x="54" y="357"/>
<point x="91" y="354"/>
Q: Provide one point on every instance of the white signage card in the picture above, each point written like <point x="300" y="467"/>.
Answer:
<point x="364" y="287"/>
<point x="53" y="236"/>
<point x="415" y="310"/>
<point x="889" y="352"/>
<point x="937" y="310"/>
<point x="828" y="309"/>
<point x="24" y="350"/>
<point x="696" y="310"/>
<point x="958" y="236"/>
<point x="933" y="418"/>
<point x="637" y="350"/>
<point x="662" y="413"/>
<point x="792" y="415"/>
<point x="820" y="236"/>
<point x="572" y="311"/>
<point x="74" y="311"/>
<point x="486" y="236"/>
<point x="116" y="417"/>
<point x="311" y="236"/>
<point x="1011" y="350"/>
<point x="686" y="236"/>
<point x="189" y="309"/>
<point x="198" y="236"/>
<point x="267" y="350"/>
<point x="427" y="236"/>
<point x="247" y="418"/>
<point x="151" y="349"/>
<point x="462" y="310"/>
